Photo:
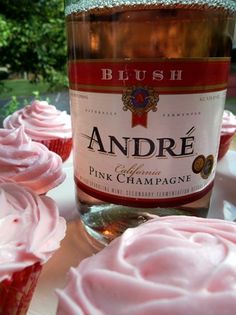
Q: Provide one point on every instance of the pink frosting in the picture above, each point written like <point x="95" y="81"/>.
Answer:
<point x="30" y="228"/>
<point x="29" y="163"/>
<point x="228" y="122"/>
<point x="168" y="266"/>
<point x="41" y="121"/>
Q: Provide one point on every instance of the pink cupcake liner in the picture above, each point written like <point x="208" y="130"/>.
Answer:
<point x="16" y="294"/>
<point x="60" y="146"/>
<point x="225" y="141"/>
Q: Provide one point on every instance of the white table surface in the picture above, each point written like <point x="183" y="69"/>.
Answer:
<point x="75" y="247"/>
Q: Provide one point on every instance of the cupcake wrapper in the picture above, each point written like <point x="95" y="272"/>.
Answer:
<point x="16" y="294"/>
<point x="225" y="141"/>
<point x="60" y="146"/>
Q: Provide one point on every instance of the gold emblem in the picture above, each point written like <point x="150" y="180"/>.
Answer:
<point x="203" y="165"/>
<point x="208" y="166"/>
<point x="140" y="100"/>
<point x="198" y="164"/>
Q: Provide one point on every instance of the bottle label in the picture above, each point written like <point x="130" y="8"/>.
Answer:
<point x="146" y="133"/>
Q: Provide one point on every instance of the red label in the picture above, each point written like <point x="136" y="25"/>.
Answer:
<point x="144" y="203"/>
<point x="167" y="75"/>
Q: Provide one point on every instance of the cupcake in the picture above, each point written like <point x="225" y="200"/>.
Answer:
<point x="167" y="266"/>
<point x="227" y="132"/>
<point x="29" y="163"/>
<point x="31" y="231"/>
<point x="46" y="124"/>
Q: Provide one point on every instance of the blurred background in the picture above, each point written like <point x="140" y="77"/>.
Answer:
<point x="33" y="56"/>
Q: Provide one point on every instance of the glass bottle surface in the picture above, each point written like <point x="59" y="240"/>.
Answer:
<point x="147" y="88"/>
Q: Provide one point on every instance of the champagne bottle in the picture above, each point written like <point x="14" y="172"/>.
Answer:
<point x="148" y="84"/>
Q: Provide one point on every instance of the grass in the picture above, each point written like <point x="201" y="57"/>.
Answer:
<point x="22" y="87"/>
<point x="231" y="104"/>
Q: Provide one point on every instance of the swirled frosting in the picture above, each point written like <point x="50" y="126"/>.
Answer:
<point x="30" y="228"/>
<point x="171" y="265"/>
<point x="29" y="163"/>
<point x="228" y="122"/>
<point x="41" y="120"/>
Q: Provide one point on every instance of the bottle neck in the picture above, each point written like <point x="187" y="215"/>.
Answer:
<point x="226" y="6"/>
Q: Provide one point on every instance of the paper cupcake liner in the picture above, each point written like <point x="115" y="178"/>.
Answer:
<point x="16" y="294"/>
<point x="60" y="146"/>
<point x="225" y="141"/>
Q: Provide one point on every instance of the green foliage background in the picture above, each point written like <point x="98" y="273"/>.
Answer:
<point x="32" y="39"/>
